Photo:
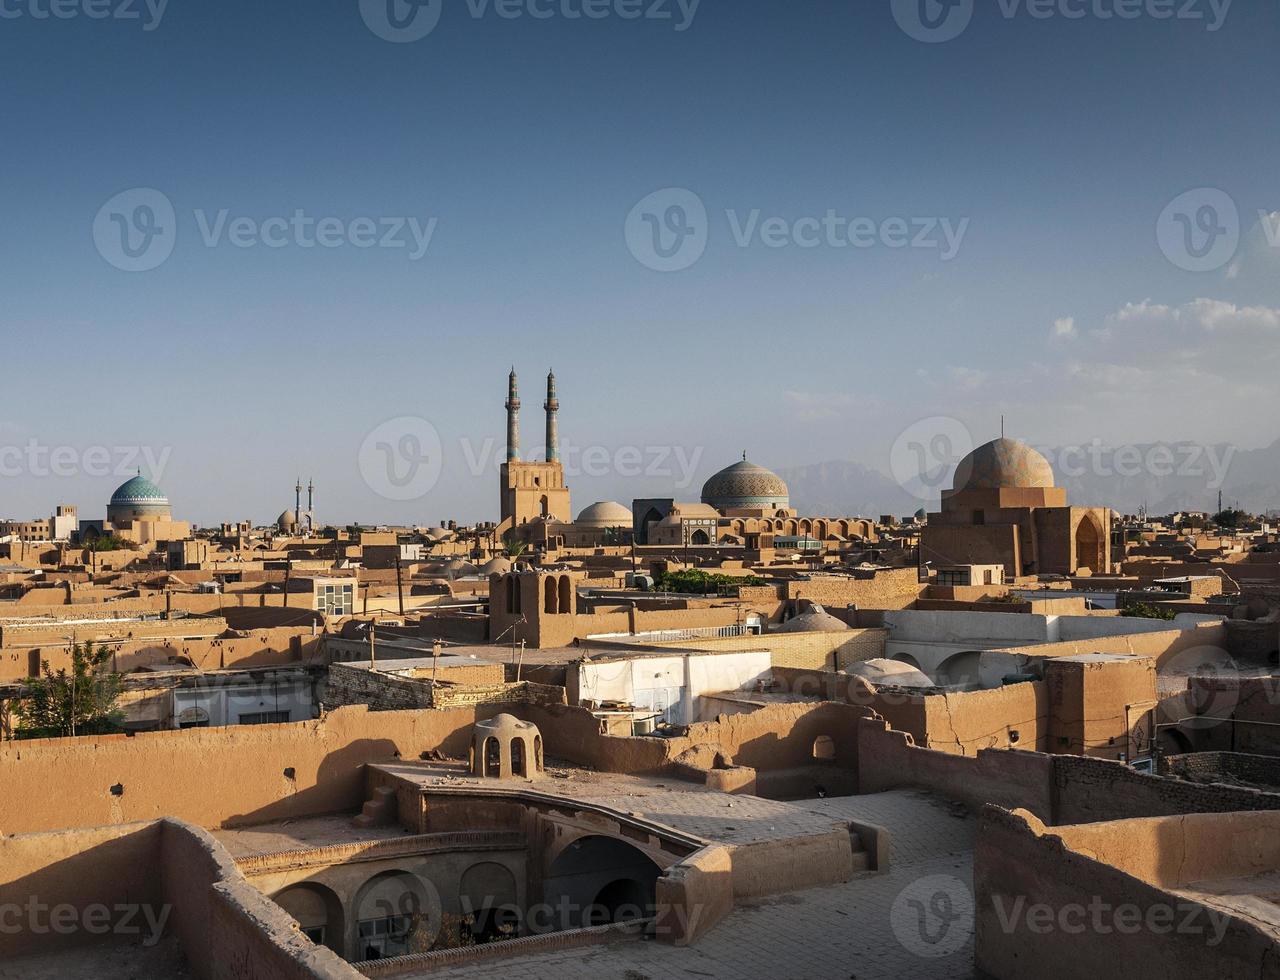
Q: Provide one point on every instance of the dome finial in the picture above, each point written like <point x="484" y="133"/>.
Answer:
<point x="744" y="455"/>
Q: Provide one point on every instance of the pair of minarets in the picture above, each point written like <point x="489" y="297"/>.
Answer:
<point x="297" y="498"/>
<point x="552" y="408"/>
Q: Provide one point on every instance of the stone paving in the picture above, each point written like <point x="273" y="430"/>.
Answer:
<point x="915" y="921"/>
<point x="685" y="806"/>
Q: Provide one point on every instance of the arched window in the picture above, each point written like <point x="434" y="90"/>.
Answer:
<point x="824" y="747"/>
<point x="566" y="594"/>
<point x="493" y="758"/>
<point x="517" y="757"/>
<point x="549" y="592"/>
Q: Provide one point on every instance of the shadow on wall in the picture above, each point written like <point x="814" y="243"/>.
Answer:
<point x="339" y="783"/>
<point x="113" y="868"/>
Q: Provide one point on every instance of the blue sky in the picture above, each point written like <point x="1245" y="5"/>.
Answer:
<point x="524" y="143"/>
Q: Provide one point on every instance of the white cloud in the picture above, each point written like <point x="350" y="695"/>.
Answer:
<point x="1064" y="328"/>
<point x="1213" y="315"/>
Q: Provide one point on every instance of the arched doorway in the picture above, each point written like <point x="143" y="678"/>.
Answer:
<point x="488" y="902"/>
<point x="394" y="917"/>
<point x="318" y="912"/>
<point x="566" y="595"/>
<point x="622" y="900"/>
<point x="700" y="538"/>
<point x="1089" y="550"/>
<point x="595" y="879"/>
<point x="549" y="591"/>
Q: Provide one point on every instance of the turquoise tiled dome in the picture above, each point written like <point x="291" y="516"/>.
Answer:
<point x="139" y="490"/>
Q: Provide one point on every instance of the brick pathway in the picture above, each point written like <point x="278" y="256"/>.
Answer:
<point x="907" y="923"/>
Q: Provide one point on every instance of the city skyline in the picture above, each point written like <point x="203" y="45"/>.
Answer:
<point x="1048" y="286"/>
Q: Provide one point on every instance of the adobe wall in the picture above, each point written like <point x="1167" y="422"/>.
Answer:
<point x="1160" y="645"/>
<point x="890" y="589"/>
<point x="229" y="930"/>
<point x="1018" y="863"/>
<point x="780" y="736"/>
<point x="104" y="865"/>
<point x="1091" y="790"/>
<point x="261" y="648"/>
<point x="1262" y="770"/>
<point x="959" y="722"/>
<point x="234" y="776"/>
<point x="888" y="760"/>
<point x="694" y="895"/>
<point x="217" y="776"/>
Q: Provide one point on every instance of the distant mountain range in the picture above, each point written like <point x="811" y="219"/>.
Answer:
<point x="1166" y="477"/>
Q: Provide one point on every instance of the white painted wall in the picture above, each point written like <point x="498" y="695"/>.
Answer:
<point x="672" y="685"/>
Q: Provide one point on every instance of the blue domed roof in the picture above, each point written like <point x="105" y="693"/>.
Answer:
<point x="139" y="490"/>
<point x="744" y="484"/>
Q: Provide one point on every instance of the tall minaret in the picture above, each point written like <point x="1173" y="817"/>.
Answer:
<point x="311" y="491"/>
<point x="297" y="500"/>
<point x="552" y="407"/>
<point x="513" y="419"/>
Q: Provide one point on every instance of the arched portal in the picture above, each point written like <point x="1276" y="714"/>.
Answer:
<point x="318" y="912"/>
<point x="622" y="900"/>
<point x="960" y="669"/>
<point x="488" y="901"/>
<point x="395" y="916"/>
<point x="594" y="877"/>
<point x="700" y="537"/>
<point x="1089" y="550"/>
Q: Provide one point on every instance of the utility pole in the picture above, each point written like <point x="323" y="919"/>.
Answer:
<point x="373" y="654"/>
<point x="399" y="582"/>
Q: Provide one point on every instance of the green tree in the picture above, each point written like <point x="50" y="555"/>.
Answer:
<point x="695" y="581"/>
<point x="1147" y="610"/>
<point x="81" y="701"/>
<point x="1231" y="517"/>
